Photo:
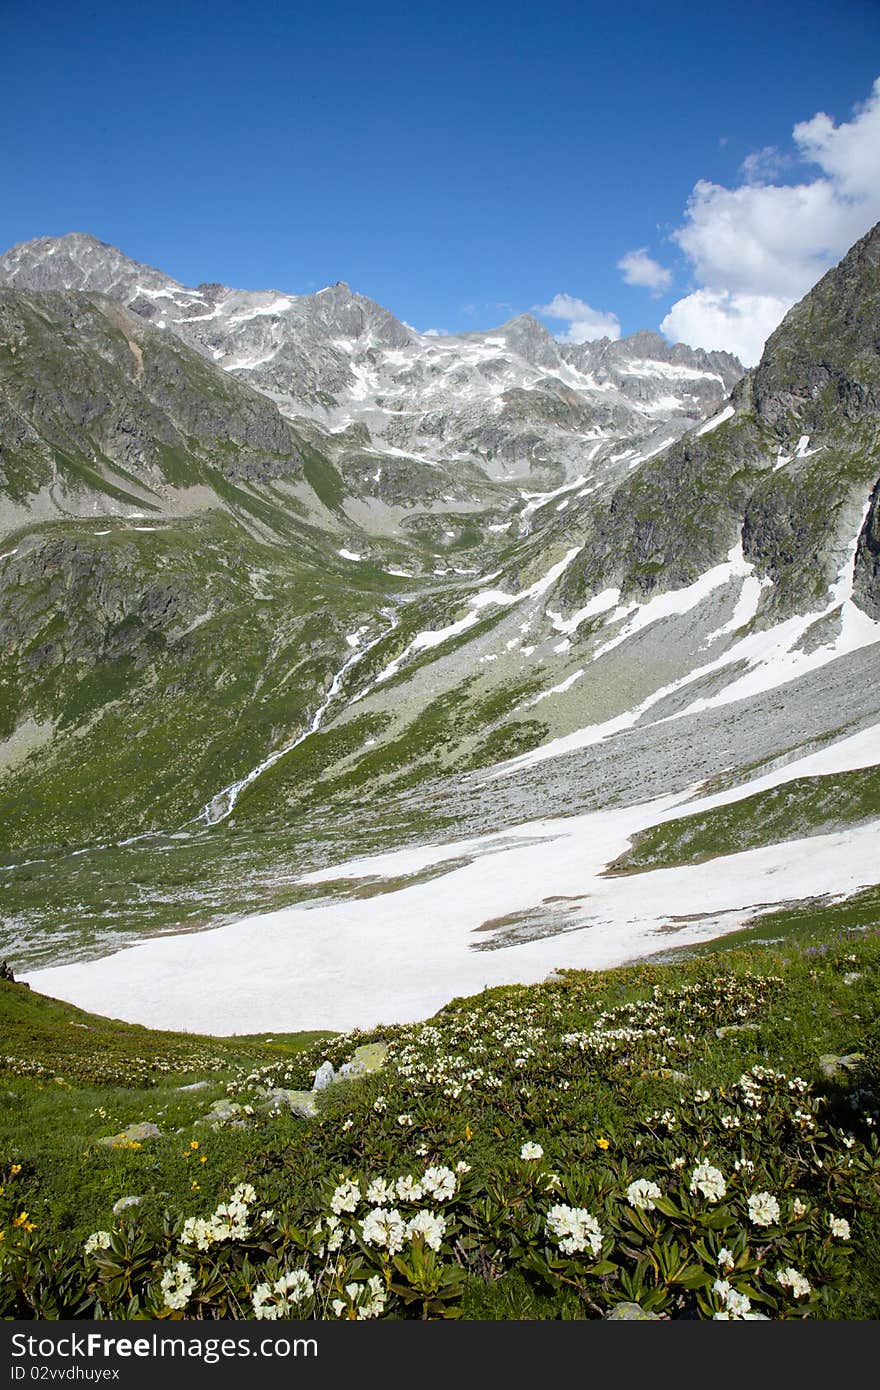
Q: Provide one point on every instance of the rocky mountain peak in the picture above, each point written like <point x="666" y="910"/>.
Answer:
<point x="645" y="343"/>
<point x="529" y="337"/>
<point x="824" y="357"/>
<point x="79" y="261"/>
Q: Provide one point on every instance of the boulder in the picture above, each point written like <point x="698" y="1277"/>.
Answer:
<point x="370" y="1057"/>
<point x="350" y="1071"/>
<point x="224" y="1112"/>
<point x="836" y="1068"/>
<point x="300" y="1103"/>
<point x="134" y="1134"/>
<point x="324" y="1076"/>
<point x="124" y="1203"/>
<point x="736" y="1028"/>
<point x="631" y="1312"/>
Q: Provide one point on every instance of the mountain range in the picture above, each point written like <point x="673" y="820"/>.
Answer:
<point x="283" y="581"/>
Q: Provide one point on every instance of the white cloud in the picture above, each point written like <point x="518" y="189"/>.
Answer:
<point x="756" y="249"/>
<point x="764" y="164"/>
<point x="737" y="323"/>
<point x="849" y="153"/>
<point x="641" y="269"/>
<point x="585" y="323"/>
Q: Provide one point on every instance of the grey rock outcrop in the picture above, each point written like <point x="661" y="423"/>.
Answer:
<point x="300" y="1103"/>
<point x="631" y="1312"/>
<point x="134" y="1134"/>
<point x="835" y="1068"/>
<point x="93" y="399"/>
<point x="324" y="1076"/>
<point x="124" y="1204"/>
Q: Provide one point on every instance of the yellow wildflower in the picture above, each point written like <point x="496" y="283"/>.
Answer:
<point x="603" y="1143"/>
<point x="194" y="1144"/>
<point x="16" y="1168"/>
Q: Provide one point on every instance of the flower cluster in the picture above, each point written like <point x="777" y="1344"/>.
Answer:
<point x="284" y="1297"/>
<point x="574" y="1229"/>
<point x="230" y="1221"/>
<point x="177" y="1285"/>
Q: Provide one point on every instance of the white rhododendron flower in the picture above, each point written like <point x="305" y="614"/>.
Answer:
<point x="440" y="1183"/>
<point x="736" y="1304"/>
<point x="177" y="1285"/>
<point x="230" y="1221"/>
<point x="380" y="1192"/>
<point x="198" y="1232"/>
<point x="574" y="1229"/>
<point x="791" y="1279"/>
<point x="709" y="1181"/>
<point x="839" y="1227"/>
<point x="643" y="1194"/>
<point x="98" y="1240"/>
<point x="409" y="1189"/>
<point x="384" y="1228"/>
<point x="725" y="1258"/>
<point x="346" y="1197"/>
<point x="763" y="1209"/>
<point x="364" y="1300"/>
<point x="431" y="1226"/>
<point x="279" y="1299"/>
<point x="531" y="1151"/>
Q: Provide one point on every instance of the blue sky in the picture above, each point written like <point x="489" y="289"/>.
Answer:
<point x="457" y="162"/>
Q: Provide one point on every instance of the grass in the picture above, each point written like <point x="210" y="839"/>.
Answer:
<point x="807" y="806"/>
<point x="545" y="1064"/>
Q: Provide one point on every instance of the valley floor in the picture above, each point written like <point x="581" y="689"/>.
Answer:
<point x="404" y="931"/>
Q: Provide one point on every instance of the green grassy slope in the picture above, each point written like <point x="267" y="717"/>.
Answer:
<point x="807" y="806"/>
<point x="620" y="1078"/>
<point x="167" y="663"/>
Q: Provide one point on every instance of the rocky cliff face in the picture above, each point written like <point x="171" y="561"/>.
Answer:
<point x="867" y="566"/>
<point x="789" y="472"/>
<point x="94" y="401"/>
<point x="823" y="362"/>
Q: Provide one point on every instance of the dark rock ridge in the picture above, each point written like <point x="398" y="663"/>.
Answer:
<point x="790" y="474"/>
<point x="92" y="398"/>
<point x="111" y="607"/>
<point x="867" y="573"/>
